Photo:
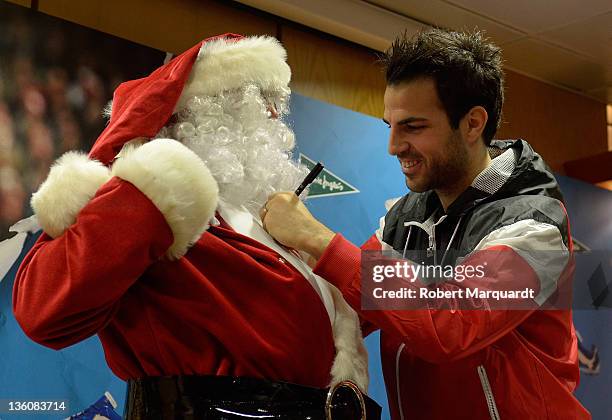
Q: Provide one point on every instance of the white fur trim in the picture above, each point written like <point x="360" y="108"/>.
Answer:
<point x="177" y="181"/>
<point x="351" y="362"/>
<point x="72" y="182"/>
<point x="107" y="111"/>
<point x="225" y="64"/>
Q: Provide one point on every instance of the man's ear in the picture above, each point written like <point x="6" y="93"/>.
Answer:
<point x="473" y="123"/>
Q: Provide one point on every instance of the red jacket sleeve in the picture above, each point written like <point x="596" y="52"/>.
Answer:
<point x="435" y="335"/>
<point x="367" y="328"/>
<point x="68" y="288"/>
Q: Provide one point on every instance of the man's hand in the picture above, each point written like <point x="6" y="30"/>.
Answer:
<point x="288" y="221"/>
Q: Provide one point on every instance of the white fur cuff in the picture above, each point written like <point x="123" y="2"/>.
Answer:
<point x="72" y="182"/>
<point x="351" y="362"/>
<point x="178" y="182"/>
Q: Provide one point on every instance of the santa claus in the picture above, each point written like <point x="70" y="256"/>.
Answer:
<point x="153" y="243"/>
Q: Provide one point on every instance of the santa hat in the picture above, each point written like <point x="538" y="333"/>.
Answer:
<point x="142" y="107"/>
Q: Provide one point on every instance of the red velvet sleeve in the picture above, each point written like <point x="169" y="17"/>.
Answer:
<point x="68" y="288"/>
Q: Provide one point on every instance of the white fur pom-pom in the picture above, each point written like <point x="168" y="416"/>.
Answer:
<point x="226" y="64"/>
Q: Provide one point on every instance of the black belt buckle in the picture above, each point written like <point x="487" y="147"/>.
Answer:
<point x="345" y="400"/>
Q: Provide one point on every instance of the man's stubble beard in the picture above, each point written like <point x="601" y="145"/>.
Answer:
<point x="447" y="170"/>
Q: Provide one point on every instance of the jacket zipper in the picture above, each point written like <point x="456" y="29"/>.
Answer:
<point x="486" y="387"/>
<point x="431" y="235"/>
<point x="431" y="250"/>
<point x="397" y="379"/>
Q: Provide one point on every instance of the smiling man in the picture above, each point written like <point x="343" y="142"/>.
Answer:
<point x="433" y="154"/>
<point x="470" y="197"/>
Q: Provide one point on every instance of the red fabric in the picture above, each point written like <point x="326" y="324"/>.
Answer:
<point x="530" y="357"/>
<point x="230" y="306"/>
<point x="142" y="107"/>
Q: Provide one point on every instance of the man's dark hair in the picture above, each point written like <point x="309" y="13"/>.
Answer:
<point x="466" y="69"/>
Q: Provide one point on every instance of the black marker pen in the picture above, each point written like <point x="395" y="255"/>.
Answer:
<point x="309" y="178"/>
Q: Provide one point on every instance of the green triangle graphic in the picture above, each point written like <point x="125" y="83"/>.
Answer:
<point x="327" y="183"/>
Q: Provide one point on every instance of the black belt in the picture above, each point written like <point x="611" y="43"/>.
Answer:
<point x="228" y="398"/>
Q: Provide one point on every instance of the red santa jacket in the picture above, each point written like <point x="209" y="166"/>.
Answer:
<point x="222" y="304"/>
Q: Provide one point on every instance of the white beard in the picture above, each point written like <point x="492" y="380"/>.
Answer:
<point x="248" y="153"/>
